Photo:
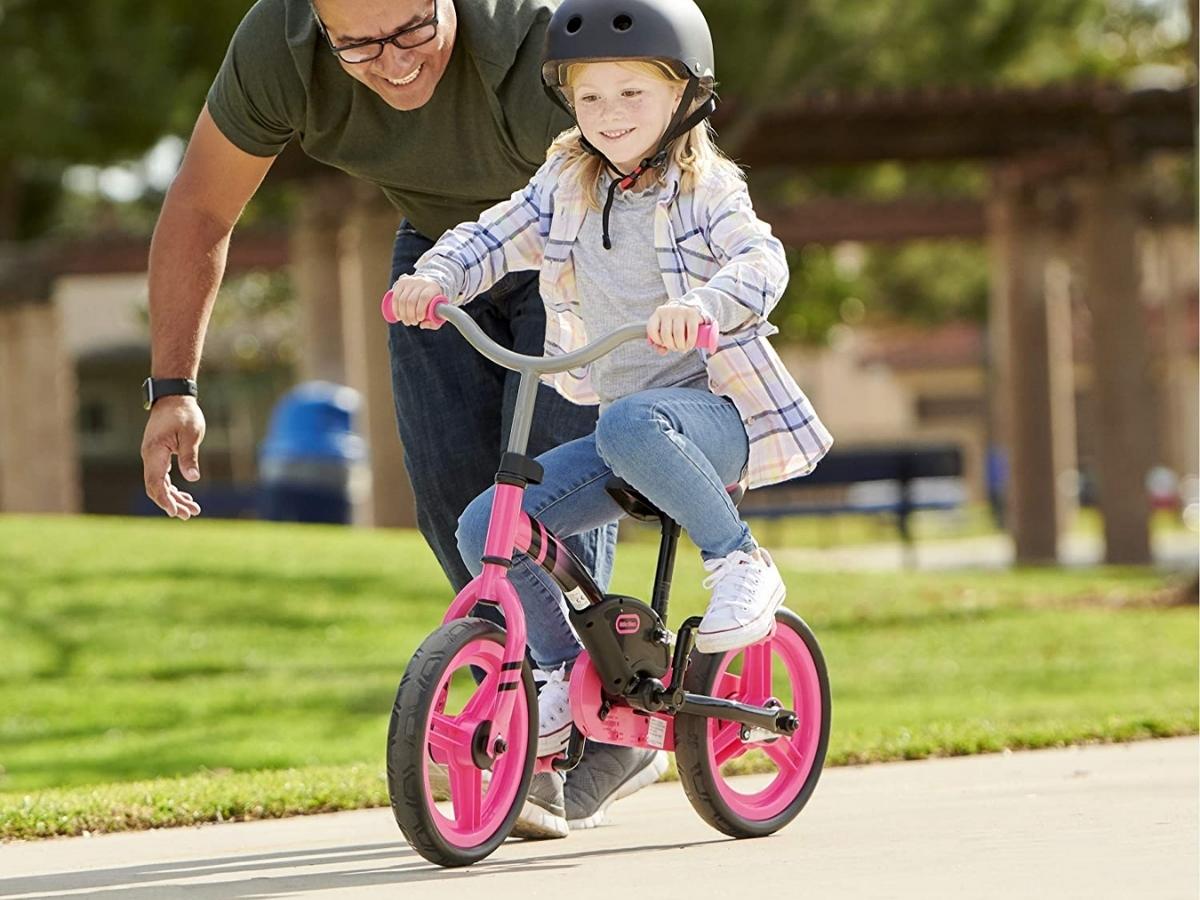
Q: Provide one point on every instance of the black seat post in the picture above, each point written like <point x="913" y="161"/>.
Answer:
<point x="666" y="566"/>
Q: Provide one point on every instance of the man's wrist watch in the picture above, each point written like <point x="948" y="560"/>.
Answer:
<point x="154" y="389"/>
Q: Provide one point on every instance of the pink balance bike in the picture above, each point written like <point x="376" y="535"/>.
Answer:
<point x="466" y="710"/>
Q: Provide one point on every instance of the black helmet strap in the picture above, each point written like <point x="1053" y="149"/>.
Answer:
<point x="681" y="123"/>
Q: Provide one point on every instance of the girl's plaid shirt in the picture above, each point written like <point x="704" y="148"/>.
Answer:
<point x="715" y="255"/>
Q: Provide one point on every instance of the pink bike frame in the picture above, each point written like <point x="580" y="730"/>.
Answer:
<point x="510" y="530"/>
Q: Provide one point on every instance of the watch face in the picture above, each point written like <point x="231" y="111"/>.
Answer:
<point x="147" y="394"/>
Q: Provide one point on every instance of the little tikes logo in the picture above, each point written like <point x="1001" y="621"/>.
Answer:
<point x="628" y="623"/>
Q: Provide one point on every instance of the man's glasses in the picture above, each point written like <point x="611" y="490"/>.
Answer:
<point x="365" y="51"/>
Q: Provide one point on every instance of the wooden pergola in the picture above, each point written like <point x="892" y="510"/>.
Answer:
<point x="1063" y="161"/>
<point x="950" y="124"/>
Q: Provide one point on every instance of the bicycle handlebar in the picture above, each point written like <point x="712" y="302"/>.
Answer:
<point x="440" y="311"/>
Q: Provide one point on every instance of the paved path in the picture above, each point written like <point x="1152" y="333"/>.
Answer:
<point x="1095" y="822"/>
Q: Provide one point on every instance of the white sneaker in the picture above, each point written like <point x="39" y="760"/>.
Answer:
<point x="554" y="713"/>
<point x="747" y="589"/>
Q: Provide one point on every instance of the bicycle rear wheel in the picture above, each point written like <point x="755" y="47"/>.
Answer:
<point x="439" y="733"/>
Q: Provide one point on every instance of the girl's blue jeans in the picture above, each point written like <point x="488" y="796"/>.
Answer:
<point x="679" y="447"/>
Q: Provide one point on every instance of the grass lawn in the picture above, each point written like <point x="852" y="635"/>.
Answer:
<point x="159" y="672"/>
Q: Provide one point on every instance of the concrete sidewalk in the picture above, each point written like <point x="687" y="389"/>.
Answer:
<point x="1095" y="822"/>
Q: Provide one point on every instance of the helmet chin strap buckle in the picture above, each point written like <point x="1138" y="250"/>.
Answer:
<point x="628" y="181"/>
<point x="650" y="162"/>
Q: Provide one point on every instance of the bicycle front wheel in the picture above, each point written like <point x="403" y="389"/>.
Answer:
<point x="437" y="743"/>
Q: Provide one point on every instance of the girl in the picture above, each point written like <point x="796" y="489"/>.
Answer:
<point x="636" y="215"/>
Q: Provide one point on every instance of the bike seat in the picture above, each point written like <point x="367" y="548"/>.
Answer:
<point x="639" y="507"/>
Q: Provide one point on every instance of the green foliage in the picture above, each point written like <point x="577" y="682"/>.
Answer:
<point x="100" y="82"/>
<point x="764" y="45"/>
<point x="254" y="294"/>
<point x="255" y="311"/>
<point x="96" y="83"/>
<point x="818" y="295"/>
<point x="930" y="283"/>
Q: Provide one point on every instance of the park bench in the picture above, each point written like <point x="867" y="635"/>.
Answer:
<point x="880" y="480"/>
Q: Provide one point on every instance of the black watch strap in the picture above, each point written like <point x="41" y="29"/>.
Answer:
<point x="154" y="389"/>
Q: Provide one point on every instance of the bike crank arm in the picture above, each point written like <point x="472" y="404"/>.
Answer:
<point x="768" y="718"/>
<point x="575" y="747"/>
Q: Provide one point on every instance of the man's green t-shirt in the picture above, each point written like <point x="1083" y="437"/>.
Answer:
<point x="479" y="138"/>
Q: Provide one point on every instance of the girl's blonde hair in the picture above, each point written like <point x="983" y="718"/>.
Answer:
<point x="695" y="152"/>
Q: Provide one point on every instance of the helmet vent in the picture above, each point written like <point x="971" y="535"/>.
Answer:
<point x="574" y="24"/>
<point x="622" y="22"/>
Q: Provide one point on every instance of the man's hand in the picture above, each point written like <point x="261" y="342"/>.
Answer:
<point x="674" y="328"/>
<point x="176" y="426"/>
<point x="411" y="295"/>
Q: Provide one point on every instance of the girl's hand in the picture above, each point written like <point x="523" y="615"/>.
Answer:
<point x="674" y="328"/>
<point x="411" y="295"/>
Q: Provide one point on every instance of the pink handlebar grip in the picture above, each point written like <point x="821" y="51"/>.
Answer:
<point x="707" y="335"/>
<point x="385" y="309"/>
<point x="431" y="316"/>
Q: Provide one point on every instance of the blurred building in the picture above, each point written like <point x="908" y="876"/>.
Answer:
<point x="104" y="333"/>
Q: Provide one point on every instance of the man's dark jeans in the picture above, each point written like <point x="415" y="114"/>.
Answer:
<point x="454" y="409"/>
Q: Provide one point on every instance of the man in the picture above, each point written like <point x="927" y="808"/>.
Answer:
<point x="439" y="102"/>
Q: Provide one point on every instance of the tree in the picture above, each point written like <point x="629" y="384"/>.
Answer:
<point x="96" y="83"/>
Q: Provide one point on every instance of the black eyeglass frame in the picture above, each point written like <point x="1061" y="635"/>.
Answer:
<point x="382" y="42"/>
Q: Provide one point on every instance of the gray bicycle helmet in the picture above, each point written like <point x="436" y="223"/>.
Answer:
<point x="671" y="31"/>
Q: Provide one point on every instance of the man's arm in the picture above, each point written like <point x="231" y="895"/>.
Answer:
<point x="187" y="262"/>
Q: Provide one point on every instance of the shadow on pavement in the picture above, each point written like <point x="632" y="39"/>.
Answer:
<point x="154" y="880"/>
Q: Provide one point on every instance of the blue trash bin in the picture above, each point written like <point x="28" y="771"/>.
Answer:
<point x="312" y="465"/>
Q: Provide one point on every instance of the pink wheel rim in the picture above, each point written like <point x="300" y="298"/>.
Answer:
<point x="792" y="756"/>
<point x="478" y="804"/>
